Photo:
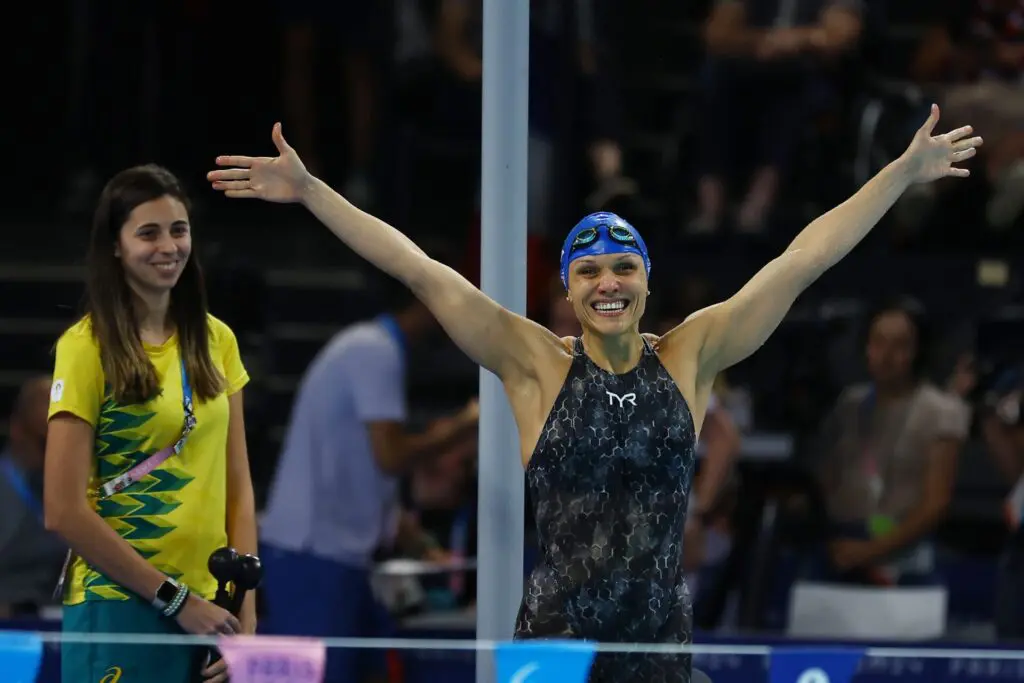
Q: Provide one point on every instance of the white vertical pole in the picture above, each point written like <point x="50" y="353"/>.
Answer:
<point x="506" y="48"/>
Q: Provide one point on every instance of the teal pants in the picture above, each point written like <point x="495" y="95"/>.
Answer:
<point x="123" y="663"/>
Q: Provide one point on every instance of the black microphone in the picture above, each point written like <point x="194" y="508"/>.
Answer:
<point x="247" y="577"/>
<point x="223" y="565"/>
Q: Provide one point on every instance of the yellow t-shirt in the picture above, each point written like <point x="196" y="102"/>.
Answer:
<point x="175" y="516"/>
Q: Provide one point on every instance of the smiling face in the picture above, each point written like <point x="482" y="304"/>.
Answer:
<point x="608" y="292"/>
<point x="154" y="244"/>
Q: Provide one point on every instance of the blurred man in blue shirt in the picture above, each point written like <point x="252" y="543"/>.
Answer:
<point x="334" y="500"/>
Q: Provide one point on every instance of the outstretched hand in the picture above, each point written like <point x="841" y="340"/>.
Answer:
<point x="274" y="179"/>
<point x="931" y="157"/>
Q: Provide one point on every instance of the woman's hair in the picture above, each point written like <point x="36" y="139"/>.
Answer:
<point x="108" y="304"/>
<point x="915" y="312"/>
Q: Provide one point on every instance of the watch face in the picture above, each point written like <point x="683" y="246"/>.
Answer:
<point x="166" y="592"/>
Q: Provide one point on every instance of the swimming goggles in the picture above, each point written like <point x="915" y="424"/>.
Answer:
<point x="618" y="233"/>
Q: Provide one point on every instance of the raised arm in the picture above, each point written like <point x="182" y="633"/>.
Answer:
<point x="734" y="329"/>
<point x="492" y="336"/>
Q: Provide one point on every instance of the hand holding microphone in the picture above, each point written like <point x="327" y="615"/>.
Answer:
<point x="243" y="573"/>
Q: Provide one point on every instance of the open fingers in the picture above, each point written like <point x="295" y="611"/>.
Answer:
<point x="232" y="185"/>
<point x="957" y="134"/>
<point x="240" y="161"/>
<point x="241" y="194"/>
<point x="961" y="145"/>
<point x="964" y="154"/>
<point x="958" y="172"/>
<point x="228" y="174"/>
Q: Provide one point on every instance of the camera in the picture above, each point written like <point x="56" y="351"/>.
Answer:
<point x="1000" y="369"/>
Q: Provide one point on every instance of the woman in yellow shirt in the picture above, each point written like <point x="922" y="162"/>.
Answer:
<point x="146" y="465"/>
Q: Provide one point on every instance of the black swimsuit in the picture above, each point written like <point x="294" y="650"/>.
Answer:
<point x="610" y="478"/>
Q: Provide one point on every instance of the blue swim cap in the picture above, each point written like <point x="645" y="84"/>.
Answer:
<point x="602" y="233"/>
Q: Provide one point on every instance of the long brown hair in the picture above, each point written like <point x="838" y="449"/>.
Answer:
<point x="130" y="375"/>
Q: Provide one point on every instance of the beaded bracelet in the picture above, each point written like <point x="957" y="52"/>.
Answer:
<point x="175" y="606"/>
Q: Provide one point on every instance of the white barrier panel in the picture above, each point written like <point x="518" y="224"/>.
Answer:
<point x="821" y="610"/>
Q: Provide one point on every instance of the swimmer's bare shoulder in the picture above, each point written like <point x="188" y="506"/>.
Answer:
<point x="683" y="340"/>
<point x="679" y="350"/>
<point x="534" y="386"/>
<point x="537" y="351"/>
<point x="552" y="360"/>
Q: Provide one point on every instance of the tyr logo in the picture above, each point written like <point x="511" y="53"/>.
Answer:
<point x="612" y="397"/>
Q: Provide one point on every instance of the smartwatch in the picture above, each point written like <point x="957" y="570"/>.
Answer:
<point x="166" y="593"/>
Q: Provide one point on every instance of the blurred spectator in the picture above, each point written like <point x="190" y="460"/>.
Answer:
<point x="707" y="538"/>
<point x="720" y="441"/>
<point x="360" y="33"/>
<point x="573" y="112"/>
<point x="975" y="55"/>
<point x="766" y="61"/>
<point x="889" y="454"/>
<point x="441" y="483"/>
<point x="30" y="556"/>
<point x="1002" y="428"/>
<point x="443" y="495"/>
<point x="569" y="53"/>
<point x="334" y="500"/>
